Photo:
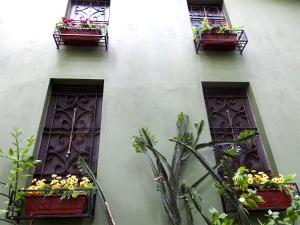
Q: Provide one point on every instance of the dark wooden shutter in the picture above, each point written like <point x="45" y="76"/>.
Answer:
<point x="229" y="113"/>
<point x="71" y="129"/>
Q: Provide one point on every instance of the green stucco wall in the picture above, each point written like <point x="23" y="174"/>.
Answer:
<point x="151" y="73"/>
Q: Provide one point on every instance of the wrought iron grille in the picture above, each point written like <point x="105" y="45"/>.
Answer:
<point x="229" y="113"/>
<point x="213" y="13"/>
<point x="94" y="10"/>
<point x="72" y="129"/>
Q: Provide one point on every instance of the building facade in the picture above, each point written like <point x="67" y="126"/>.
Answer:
<point x="148" y="75"/>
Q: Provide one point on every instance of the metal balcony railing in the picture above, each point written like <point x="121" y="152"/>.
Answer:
<point x="82" y="36"/>
<point x="234" y="41"/>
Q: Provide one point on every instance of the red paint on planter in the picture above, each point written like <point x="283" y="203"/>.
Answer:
<point x="52" y="205"/>
<point x="80" y="37"/>
<point x="216" y="41"/>
<point x="274" y="199"/>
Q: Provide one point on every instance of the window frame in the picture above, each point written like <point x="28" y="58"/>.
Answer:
<point x="41" y="152"/>
<point x="213" y="89"/>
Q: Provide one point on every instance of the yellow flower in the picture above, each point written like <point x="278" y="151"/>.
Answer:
<point x="277" y="180"/>
<point x="54" y="182"/>
<point x="263" y="180"/>
<point x="265" y="176"/>
<point x="32" y="188"/>
<point x="56" y="186"/>
<point x="34" y="180"/>
<point x="280" y="180"/>
<point x="250" y="175"/>
<point x="54" y="176"/>
<point x="63" y="182"/>
<point x="250" y="180"/>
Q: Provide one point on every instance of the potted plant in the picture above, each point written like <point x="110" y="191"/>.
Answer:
<point x="59" y="196"/>
<point x="234" y="185"/>
<point x="258" y="191"/>
<point x="216" y="36"/>
<point x="83" y="32"/>
<point x="22" y="162"/>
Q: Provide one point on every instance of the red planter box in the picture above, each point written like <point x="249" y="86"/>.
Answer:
<point x="274" y="199"/>
<point x="216" y="41"/>
<point x="52" y="205"/>
<point x="80" y="37"/>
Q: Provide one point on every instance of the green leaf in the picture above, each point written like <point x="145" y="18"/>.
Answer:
<point x="199" y="131"/>
<point x="289" y="178"/>
<point x="26" y="175"/>
<point x="290" y="210"/>
<point x="293" y="217"/>
<point x="259" y="199"/>
<point x="251" y="203"/>
<point x="11" y="152"/>
<point x="223" y="216"/>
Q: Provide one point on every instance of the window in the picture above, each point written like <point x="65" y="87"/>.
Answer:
<point x="93" y="10"/>
<point x="212" y="29"/>
<point x="85" y="23"/>
<point x="214" y="14"/>
<point x="229" y="113"/>
<point x="71" y="129"/>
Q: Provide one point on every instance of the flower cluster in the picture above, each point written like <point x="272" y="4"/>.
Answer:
<point x="36" y="186"/>
<point x="217" y="27"/>
<point x="57" y="185"/>
<point x="85" y="183"/>
<point x="67" y="23"/>
<point x="257" y="177"/>
<point x="245" y="177"/>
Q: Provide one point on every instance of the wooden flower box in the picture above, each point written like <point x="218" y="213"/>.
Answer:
<point x="80" y="37"/>
<point x="53" y="205"/>
<point x="217" y="41"/>
<point x="273" y="199"/>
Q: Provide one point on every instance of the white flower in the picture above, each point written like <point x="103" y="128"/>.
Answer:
<point x="242" y="200"/>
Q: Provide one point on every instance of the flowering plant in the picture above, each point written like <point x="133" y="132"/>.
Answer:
<point x="250" y="181"/>
<point x="217" y="27"/>
<point x="67" y="187"/>
<point x="243" y="178"/>
<point x="67" y="23"/>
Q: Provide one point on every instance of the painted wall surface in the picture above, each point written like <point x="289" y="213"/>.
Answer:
<point x="151" y="73"/>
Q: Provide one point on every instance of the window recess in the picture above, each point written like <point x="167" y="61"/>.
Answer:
<point x="212" y="29"/>
<point x="71" y="129"/>
<point x="229" y="112"/>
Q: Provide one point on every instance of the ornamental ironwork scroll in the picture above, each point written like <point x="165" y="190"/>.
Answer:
<point x="71" y="129"/>
<point x="93" y="10"/>
<point x="229" y="113"/>
<point x="213" y="13"/>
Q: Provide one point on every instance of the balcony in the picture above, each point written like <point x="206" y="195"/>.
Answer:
<point x="213" y="31"/>
<point x="81" y="33"/>
<point x="236" y="40"/>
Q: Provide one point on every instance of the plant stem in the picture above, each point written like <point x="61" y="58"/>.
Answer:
<point x="234" y="200"/>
